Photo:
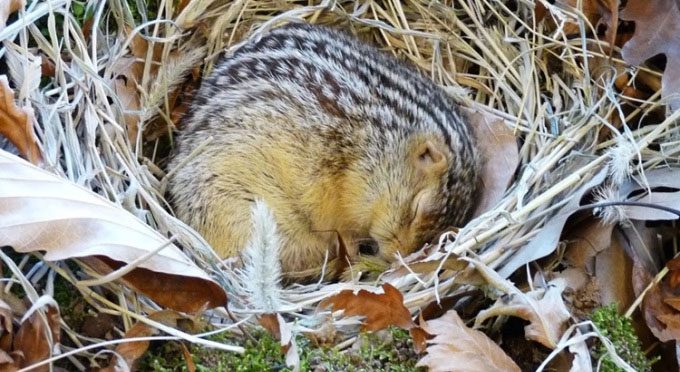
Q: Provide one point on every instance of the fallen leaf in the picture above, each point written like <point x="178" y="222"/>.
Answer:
<point x="420" y="336"/>
<point x="16" y="124"/>
<point x="662" y="319"/>
<point x="613" y="275"/>
<point x="497" y="145"/>
<point x="191" y="366"/>
<point x="380" y="310"/>
<point x="7" y="7"/>
<point x="544" y="308"/>
<point x="456" y="347"/>
<point x="270" y="322"/>
<point x="545" y="241"/>
<point x="673" y="272"/>
<point x="34" y="335"/>
<point x="594" y="11"/>
<point x="585" y="239"/>
<point x="128" y="353"/>
<point x="40" y="211"/>
<point x="656" y="32"/>
<point x="282" y="332"/>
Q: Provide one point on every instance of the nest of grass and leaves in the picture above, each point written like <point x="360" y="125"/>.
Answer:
<point x="579" y="103"/>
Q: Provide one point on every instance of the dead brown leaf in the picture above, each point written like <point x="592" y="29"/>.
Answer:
<point x="282" y="332"/>
<point x="191" y="366"/>
<point x="656" y="32"/>
<point x="497" y="142"/>
<point x="32" y="340"/>
<point x="16" y="124"/>
<point x="585" y="240"/>
<point x="270" y="322"/>
<point x="456" y="347"/>
<point x="613" y="275"/>
<point x="673" y="272"/>
<point x="661" y="318"/>
<point x="594" y="11"/>
<point x="128" y="353"/>
<point x="380" y="310"/>
<point x="6" y="327"/>
<point x="7" y="7"/>
<point x="419" y="336"/>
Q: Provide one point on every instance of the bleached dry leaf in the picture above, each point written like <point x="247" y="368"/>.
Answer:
<point x="40" y="211"/>
<point x="456" y="347"/>
<point x="547" y="238"/>
<point x="544" y="308"/>
<point x="16" y="123"/>
<point x="656" y="32"/>
<point x="500" y="156"/>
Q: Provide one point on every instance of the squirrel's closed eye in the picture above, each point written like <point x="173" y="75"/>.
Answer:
<point x="368" y="247"/>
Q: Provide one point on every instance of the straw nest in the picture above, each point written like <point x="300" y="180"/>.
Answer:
<point x="554" y="88"/>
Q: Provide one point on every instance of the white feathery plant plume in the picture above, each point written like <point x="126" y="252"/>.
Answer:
<point x="261" y="273"/>
<point x="613" y="214"/>
<point x="620" y="157"/>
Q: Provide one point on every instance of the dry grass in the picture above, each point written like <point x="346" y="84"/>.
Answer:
<point x="555" y="90"/>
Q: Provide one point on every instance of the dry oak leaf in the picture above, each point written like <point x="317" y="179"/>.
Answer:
<point x="456" y="347"/>
<point x="42" y="212"/>
<point x="381" y="310"/>
<point x="657" y="31"/>
<point x="16" y="124"/>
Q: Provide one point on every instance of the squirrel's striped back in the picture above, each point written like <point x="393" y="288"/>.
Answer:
<point x="361" y="102"/>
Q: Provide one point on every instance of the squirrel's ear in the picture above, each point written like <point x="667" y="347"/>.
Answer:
<point x="430" y="157"/>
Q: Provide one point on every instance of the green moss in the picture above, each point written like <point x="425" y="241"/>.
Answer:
<point x="391" y="352"/>
<point x="619" y="330"/>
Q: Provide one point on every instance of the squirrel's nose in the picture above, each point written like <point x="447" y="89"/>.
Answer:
<point x="368" y="247"/>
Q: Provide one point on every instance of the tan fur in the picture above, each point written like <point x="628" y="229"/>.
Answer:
<point x="330" y="156"/>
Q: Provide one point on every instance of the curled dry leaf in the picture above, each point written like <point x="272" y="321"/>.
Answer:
<point x="656" y="32"/>
<point x="16" y="124"/>
<point x="381" y="310"/>
<point x="496" y="141"/>
<point x="456" y="347"/>
<point x="40" y="211"/>
<point x="543" y="308"/>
